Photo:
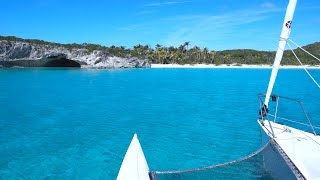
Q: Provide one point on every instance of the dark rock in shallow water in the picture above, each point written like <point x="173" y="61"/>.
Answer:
<point x="23" y="54"/>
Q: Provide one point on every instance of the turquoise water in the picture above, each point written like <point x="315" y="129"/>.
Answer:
<point x="66" y="123"/>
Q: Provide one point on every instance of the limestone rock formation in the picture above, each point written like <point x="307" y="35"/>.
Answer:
<point x="15" y="53"/>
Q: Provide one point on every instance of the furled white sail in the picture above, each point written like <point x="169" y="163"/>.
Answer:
<point x="134" y="165"/>
<point x="285" y="33"/>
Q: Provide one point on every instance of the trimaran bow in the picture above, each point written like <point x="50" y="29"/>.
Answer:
<point x="299" y="150"/>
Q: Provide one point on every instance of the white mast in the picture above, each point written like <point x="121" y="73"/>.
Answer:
<point x="282" y="44"/>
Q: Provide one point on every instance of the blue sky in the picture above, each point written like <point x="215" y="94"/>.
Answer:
<point x="216" y="24"/>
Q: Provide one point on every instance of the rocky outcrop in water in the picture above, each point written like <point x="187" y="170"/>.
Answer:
<point x="16" y="53"/>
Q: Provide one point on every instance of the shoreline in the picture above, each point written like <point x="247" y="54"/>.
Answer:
<point x="227" y="66"/>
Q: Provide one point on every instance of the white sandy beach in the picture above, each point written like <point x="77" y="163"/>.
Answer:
<point x="263" y="66"/>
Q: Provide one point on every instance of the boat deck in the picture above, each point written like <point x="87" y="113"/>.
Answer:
<point x="301" y="147"/>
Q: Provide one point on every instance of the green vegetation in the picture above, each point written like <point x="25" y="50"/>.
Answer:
<point x="186" y="55"/>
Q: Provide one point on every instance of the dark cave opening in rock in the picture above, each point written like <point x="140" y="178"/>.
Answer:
<point x="62" y="63"/>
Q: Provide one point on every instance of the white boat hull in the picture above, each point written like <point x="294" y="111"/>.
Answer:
<point x="300" y="151"/>
<point x="273" y="162"/>
<point x="134" y="165"/>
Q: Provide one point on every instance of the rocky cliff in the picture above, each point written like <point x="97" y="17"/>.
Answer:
<point x="17" y="53"/>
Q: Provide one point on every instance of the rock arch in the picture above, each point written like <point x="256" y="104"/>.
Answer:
<point x="62" y="62"/>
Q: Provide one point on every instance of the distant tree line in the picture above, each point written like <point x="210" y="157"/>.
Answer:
<point x="184" y="54"/>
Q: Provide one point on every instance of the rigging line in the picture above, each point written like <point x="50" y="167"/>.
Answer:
<point x="294" y="121"/>
<point x="304" y="50"/>
<point x="302" y="132"/>
<point x="304" y="67"/>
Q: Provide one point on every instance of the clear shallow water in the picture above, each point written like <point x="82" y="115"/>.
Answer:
<point x="78" y="123"/>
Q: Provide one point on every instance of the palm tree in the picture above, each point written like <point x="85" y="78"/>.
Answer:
<point x="186" y="45"/>
<point x="212" y="55"/>
<point x="205" y="54"/>
<point x="198" y="53"/>
<point x="146" y="49"/>
<point x="170" y="56"/>
<point x="158" y="48"/>
<point x="181" y="48"/>
<point x="176" y="56"/>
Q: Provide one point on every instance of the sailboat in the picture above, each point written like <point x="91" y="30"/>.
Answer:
<point x="297" y="151"/>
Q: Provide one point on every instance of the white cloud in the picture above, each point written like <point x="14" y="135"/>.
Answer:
<point x="268" y="5"/>
<point x="205" y="29"/>
<point x="208" y="29"/>
<point x="145" y="12"/>
<point x="125" y="29"/>
<point x="166" y="3"/>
